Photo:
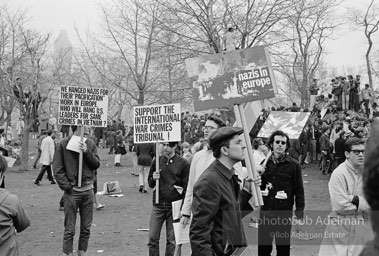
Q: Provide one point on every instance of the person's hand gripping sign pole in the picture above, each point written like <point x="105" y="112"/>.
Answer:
<point x="250" y="165"/>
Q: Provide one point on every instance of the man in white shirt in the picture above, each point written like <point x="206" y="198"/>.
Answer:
<point x="46" y="159"/>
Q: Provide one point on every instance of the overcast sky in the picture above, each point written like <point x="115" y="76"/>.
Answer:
<point x="346" y="51"/>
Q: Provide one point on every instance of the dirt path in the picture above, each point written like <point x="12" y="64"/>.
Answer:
<point x="114" y="230"/>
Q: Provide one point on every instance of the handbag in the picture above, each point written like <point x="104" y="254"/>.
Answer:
<point x="121" y="149"/>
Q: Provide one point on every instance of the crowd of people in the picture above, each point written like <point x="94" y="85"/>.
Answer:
<point x="207" y="171"/>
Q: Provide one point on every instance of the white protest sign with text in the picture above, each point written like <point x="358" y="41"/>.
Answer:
<point x="159" y="123"/>
<point x="83" y="106"/>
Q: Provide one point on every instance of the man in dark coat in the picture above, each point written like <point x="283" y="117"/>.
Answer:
<point x="215" y="230"/>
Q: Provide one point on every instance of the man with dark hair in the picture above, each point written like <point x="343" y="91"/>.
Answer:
<point x="46" y="159"/>
<point x="216" y="227"/>
<point x="349" y="216"/>
<point x="66" y="168"/>
<point x="325" y="148"/>
<point x="173" y="179"/>
<point x="282" y="185"/>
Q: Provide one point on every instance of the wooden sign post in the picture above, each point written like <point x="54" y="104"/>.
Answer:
<point x="249" y="159"/>
<point x="82" y="107"/>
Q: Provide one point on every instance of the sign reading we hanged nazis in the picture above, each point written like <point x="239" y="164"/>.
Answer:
<point x="159" y="123"/>
<point x="233" y="77"/>
<point x="83" y="106"/>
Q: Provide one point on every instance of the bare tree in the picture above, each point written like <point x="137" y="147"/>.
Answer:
<point x="203" y="24"/>
<point x="129" y="31"/>
<point x="300" y="57"/>
<point x="369" y="20"/>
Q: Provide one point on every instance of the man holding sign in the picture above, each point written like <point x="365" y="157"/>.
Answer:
<point x="173" y="178"/>
<point x="76" y="195"/>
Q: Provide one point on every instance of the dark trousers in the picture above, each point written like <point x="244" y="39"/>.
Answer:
<point x="45" y="168"/>
<point x="271" y="227"/>
<point x="37" y="158"/>
<point x="159" y="215"/>
<point x="72" y="202"/>
<point x="304" y="151"/>
<point x="367" y="109"/>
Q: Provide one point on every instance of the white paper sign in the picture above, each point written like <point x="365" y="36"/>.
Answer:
<point x="10" y="161"/>
<point x="181" y="233"/>
<point x="73" y="144"/>
<point x="83" y="106"/>
<point x="159" y="123"/>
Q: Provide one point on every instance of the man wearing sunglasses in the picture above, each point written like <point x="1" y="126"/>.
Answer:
<point x="350" y="210"/>
<point x="282" y="182"/>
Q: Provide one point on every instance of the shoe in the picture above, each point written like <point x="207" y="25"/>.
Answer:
<point x="140" y="189"/>
<point x="82" y="253"/>
<point x="99" y="207"/>
<point x="144" y="191"/>
<point x="53" y="182"/>
<point x="61" y="208"/>
<point x="37" y="183"/>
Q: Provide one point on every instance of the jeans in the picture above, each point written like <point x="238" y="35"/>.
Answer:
<point x="45" y="168"/>
<point x="159" y="214"/>
<point x="73" y="201"/>
<point x="367" y="108"/>
<point x="312" y="150"/>
<point x="271" y="227"/>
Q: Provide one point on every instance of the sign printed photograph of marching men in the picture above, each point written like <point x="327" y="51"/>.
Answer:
<point x="233" y="77"/>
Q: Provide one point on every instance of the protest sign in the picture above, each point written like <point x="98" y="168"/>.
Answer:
<point x="228" y="78"/>
<point x="292" y="123"/>
<point x="83" y="106"/>
<point x="159" y="123"/>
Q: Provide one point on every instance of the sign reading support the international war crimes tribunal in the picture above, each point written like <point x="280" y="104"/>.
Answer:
<point x="234" y="77"/>
<point x="159" y="123"/>
<point x="83" y="106"/>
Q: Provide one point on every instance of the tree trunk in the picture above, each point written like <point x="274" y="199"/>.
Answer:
<point x="369" y="72"/>
<point x="141" y="97"/>
<point x="24" y="154"/>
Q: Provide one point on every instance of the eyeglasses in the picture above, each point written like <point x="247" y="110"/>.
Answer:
<point x="357" y="152"/>
<point x="280" y="142"/>
<point x="209" y="128"/>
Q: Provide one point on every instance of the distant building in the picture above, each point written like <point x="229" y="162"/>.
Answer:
<point x="63" y="53"/>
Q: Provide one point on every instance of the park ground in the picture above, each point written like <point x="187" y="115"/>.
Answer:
<point x="115" y="229"/>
